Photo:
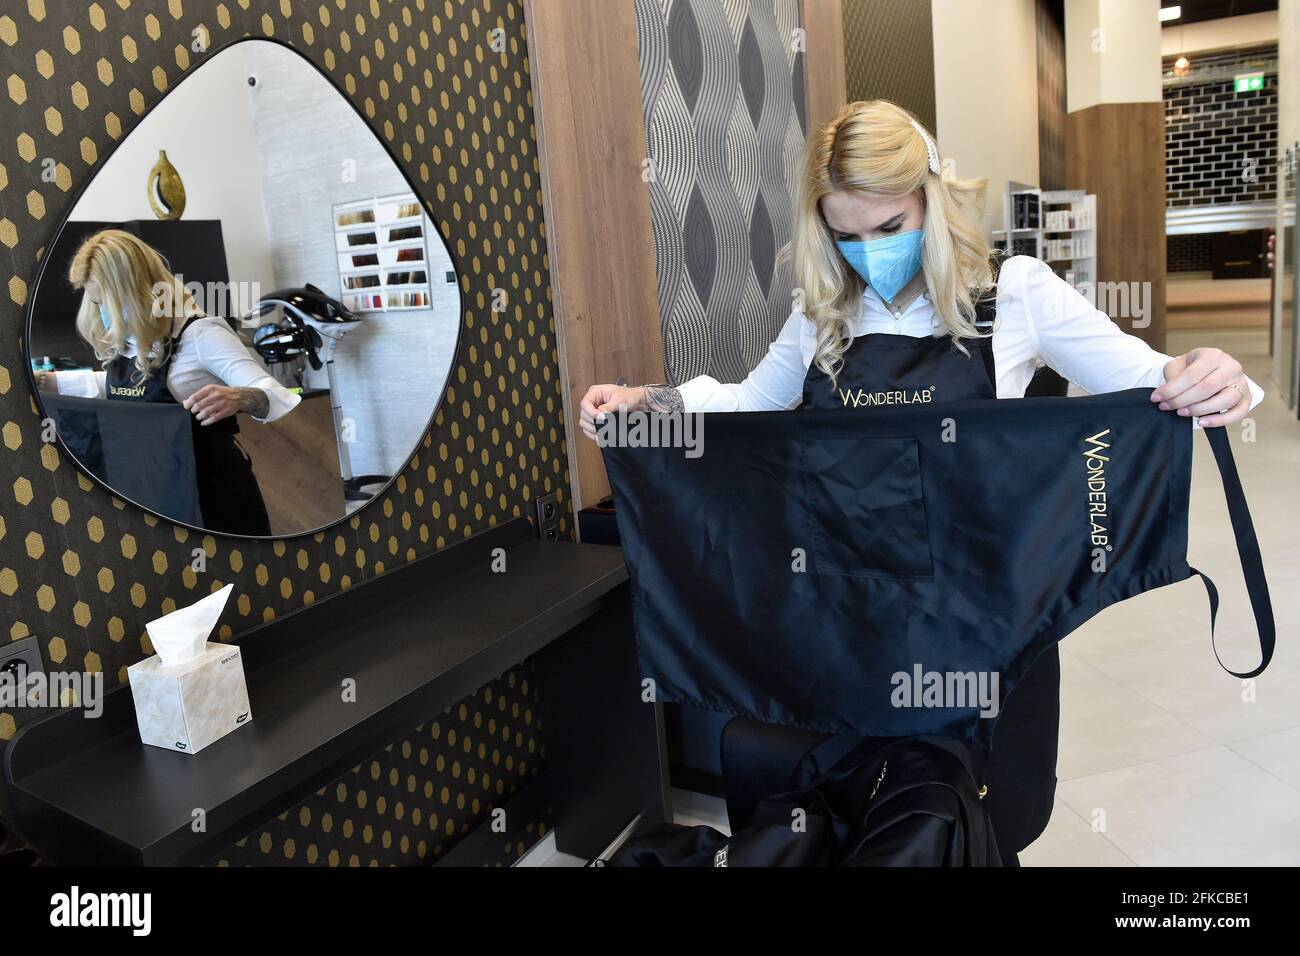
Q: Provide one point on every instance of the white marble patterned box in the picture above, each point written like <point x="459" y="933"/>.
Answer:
<point x="188" y="706"/>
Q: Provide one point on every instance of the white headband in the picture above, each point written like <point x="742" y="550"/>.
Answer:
<point x="931" y="150"/>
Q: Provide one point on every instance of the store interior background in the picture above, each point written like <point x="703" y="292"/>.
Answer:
<point x="1161" y="760"/>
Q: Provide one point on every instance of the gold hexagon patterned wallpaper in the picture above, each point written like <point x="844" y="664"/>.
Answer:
<point x="82" y="571"/>
<point x="412" y="801"/>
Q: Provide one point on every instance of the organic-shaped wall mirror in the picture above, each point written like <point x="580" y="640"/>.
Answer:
<point x="247" y="320"/>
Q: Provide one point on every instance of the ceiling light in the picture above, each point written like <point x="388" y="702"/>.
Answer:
<point x="1170" y="13"/>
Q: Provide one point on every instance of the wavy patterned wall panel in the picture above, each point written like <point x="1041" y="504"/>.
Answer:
<point x="82" y="571"/>
<point x="723" y="92"/>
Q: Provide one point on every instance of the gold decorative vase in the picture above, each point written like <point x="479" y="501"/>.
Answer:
<point x="165" y="189"/>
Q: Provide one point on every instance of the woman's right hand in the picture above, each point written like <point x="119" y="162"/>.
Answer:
<point x="608" y="398"/>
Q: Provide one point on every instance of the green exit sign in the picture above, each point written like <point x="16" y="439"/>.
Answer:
<point x="1249" y="82"/>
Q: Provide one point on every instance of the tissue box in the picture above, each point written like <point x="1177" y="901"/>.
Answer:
<point x="188" y="706"/>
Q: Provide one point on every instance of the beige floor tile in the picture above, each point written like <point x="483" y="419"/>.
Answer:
<point x="1193" y="688"/>
<point x="1070" y="661"/>
<point x="1105" y="726"/>
<point x="1163" y="619"/>
<point x="1070" y="841"/>
<point x="1288" y="643"/>
<point x="1208" y="808"/>
<point x="1277" y="753"/>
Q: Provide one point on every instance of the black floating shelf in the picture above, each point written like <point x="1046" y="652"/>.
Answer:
<point x="415" y="640"/>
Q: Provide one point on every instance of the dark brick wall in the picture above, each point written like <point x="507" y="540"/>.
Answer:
<point x="1188" y="253"/>
<point x="1220" y="145"/>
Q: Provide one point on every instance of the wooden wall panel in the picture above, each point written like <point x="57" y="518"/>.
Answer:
<point x="591" y="138"/>
<point x="824" y="76"/>
<point x="1117" y="150"/>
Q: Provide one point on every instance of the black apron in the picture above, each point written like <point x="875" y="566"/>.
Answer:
<point x="882" y="573"/>
<point x="882" y="370"/>
<point x="229" y="496"/>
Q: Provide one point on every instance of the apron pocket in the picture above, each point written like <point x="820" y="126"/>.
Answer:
<point x="866" y="507"/>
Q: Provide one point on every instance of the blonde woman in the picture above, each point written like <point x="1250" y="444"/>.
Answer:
<point x="155" y="345"/>
<point x="901" y="297"/>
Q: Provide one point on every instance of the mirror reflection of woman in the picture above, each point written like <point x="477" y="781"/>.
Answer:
<point x="156" y="345"/>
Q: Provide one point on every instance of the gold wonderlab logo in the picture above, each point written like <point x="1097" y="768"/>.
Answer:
<point x="1098" y="507"/>
<point x="861" y="398"/>
<point x="135" y="391"/>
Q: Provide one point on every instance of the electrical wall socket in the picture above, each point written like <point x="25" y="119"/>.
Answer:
<point x="548" y="518"/>
<point x="21" y="659"/>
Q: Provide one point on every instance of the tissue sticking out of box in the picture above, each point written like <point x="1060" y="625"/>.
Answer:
<point x="182" y="635"/>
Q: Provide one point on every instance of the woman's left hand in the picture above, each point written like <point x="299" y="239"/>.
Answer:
<point x="212" y="403"/>
<point x="1206" y="383"/>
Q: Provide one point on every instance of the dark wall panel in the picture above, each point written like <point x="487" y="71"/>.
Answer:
<point x="1049" y="30"/>
<point x="889" y="54"/>
<point x="81" y="570"/>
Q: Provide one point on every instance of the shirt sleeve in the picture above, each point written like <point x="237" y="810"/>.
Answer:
<point x="1079" y="341"/>
<point x="224" y="356"/>
<point x="775" y="384"/>
<point x="81" y="382"/>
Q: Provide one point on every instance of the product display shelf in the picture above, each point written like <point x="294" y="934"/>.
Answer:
<point x="383" y="257"/>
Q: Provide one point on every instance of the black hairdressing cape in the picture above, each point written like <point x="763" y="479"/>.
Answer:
<point x="864" y="573"/>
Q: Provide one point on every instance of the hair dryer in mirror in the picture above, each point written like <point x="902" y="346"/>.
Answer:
<point x="308" y="324"/>
<point x="300" y="317"/>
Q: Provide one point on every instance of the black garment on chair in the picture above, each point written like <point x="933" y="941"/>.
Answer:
<point x="143" y="451"/>
<point x="915" y="802"/>
<point x="759" y="759"/>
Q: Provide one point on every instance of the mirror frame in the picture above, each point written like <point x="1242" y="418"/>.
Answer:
<point x="30" y="309"/>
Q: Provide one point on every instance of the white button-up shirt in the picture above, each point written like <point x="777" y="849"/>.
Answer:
<point x="210" y="353"/>
<point x="1041" y="320"/>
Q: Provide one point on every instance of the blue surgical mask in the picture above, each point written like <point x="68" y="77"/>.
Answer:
<point x="886" y="264"/>
<point x="105" y="317"/>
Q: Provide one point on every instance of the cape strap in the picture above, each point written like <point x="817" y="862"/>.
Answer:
<point x="986" y="310"/>
<point x="1252" y="563"/>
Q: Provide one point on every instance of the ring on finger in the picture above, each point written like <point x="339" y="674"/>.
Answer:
<point x="1240" y="396"/>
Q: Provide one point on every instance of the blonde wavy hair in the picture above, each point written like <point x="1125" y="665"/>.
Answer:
<point x="142" y="296"/>
<point x="874" y="147"/>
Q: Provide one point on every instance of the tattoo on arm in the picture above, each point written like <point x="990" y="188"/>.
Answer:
<point x="664" y="398"/>
<point x="254" y="401"/>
